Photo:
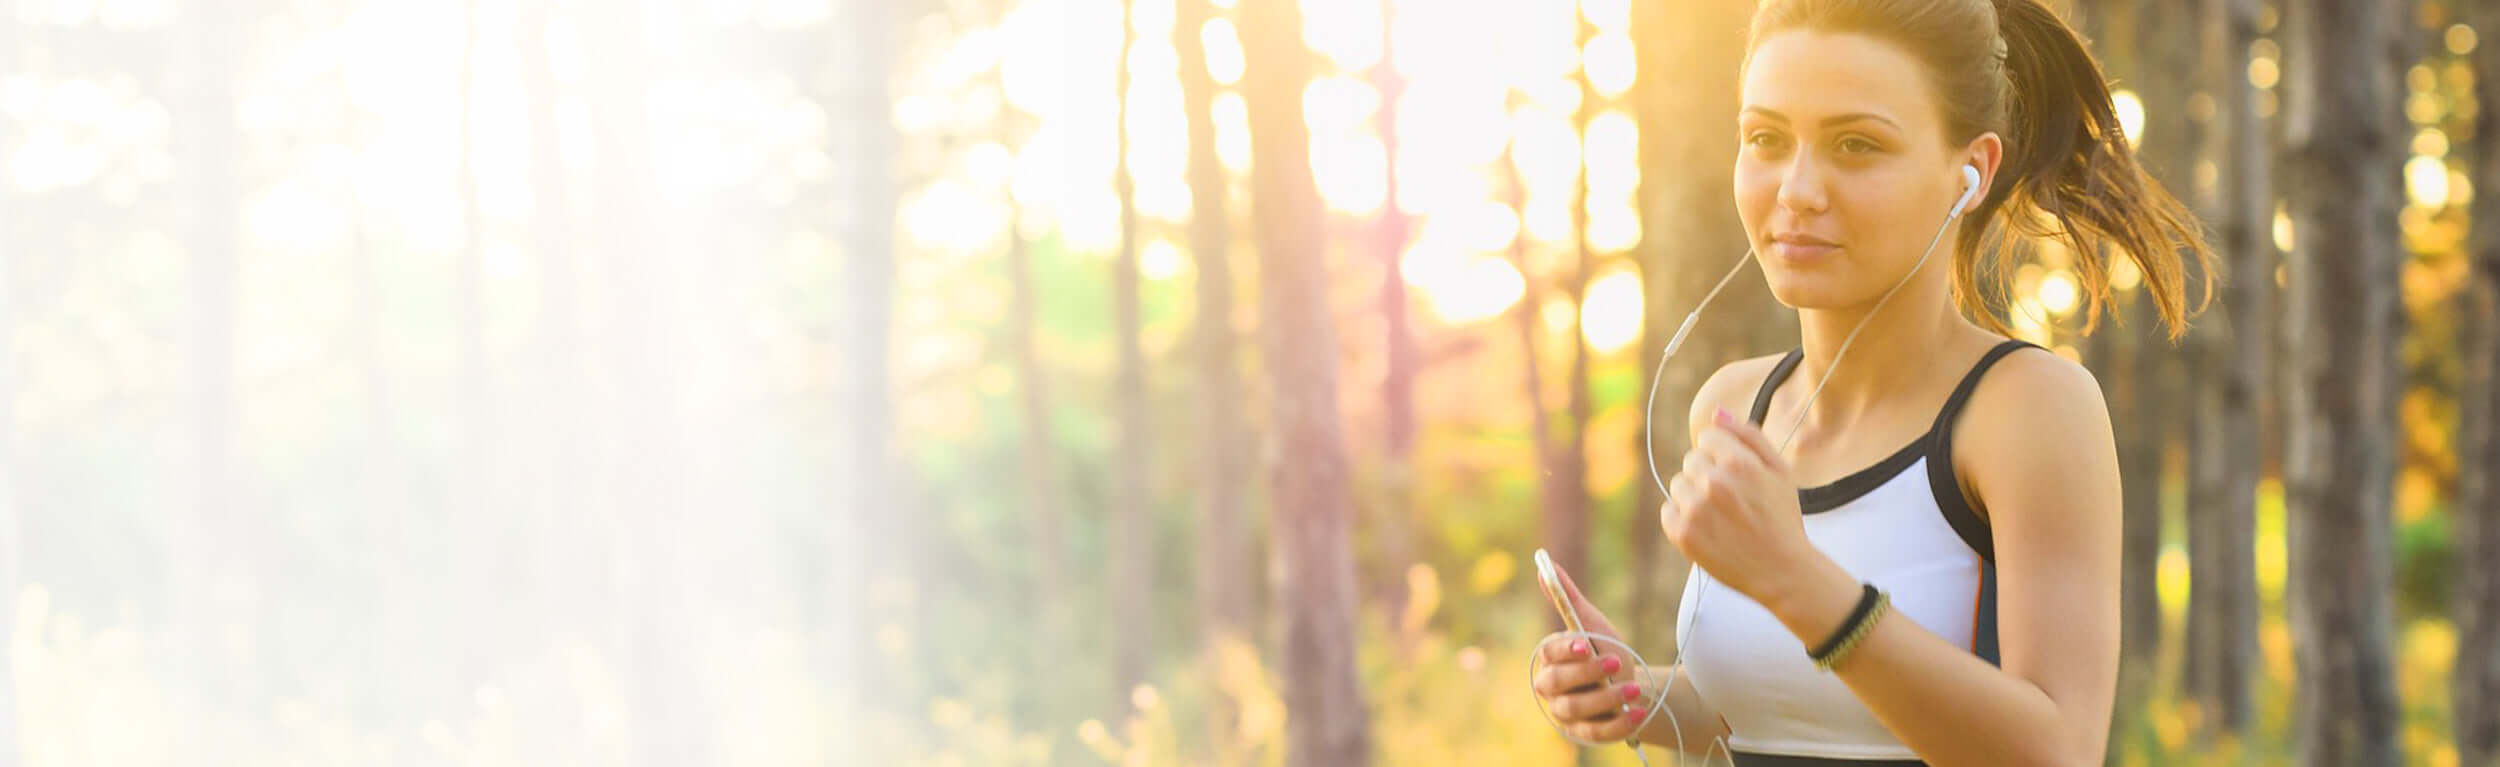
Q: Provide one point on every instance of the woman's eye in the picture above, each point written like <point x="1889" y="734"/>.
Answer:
<point x="1764" y="139"/>
<point x="1855" y="145"/>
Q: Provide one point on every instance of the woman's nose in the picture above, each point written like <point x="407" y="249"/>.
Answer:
<point x="1801" y="186"/>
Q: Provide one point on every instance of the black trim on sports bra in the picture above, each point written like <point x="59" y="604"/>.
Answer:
<point x="1940" y="477"/>
<point x="1751" y="759"/>
<point x="1935" y="445"/>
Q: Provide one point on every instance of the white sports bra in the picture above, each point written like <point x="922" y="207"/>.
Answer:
<point x="1902" y="525"/>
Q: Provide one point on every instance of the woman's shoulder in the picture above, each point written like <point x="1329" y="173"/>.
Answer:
<point x="2032" y="382"/>
<point x="1732" y="386"/>
<point x="2036" y="421"/>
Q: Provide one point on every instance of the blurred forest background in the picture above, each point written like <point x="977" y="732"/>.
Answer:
<point x="1142" y="382"/>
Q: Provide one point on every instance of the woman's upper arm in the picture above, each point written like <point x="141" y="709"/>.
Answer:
<point x="1732" y="386"/>
<point x="2037" y="441"/>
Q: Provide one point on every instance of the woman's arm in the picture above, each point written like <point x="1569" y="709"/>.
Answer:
<point x="2040" y="451"/>
<point x="1695" y="720"/>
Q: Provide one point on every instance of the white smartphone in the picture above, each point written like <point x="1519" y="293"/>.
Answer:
<point x="1551" y="579"/>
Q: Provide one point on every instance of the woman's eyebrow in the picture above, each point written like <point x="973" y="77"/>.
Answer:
<point x="1828" y="121"/>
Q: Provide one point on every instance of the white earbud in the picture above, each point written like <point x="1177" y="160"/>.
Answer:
<point x="1970" y="186"/>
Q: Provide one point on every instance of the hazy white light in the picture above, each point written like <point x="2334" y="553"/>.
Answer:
<point x="1160" y="260"/>
<point x="1608" y="60"/>
<point x="2426" y="181"/>
<point x="1223" y="46"/>
<point x="2058" y="292"/>
<point x="1611" y="313"/>
<point x="2130" y="115"/>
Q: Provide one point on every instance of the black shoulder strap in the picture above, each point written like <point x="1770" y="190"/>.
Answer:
<point x="1771" y="383"/>
<point x="1957" y="509"/>
<point x="1970" y="381"/>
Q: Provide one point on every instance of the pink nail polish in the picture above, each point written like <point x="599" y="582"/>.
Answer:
<point x="1611" y="665"/>
<point x="1631" y="692"/>
<point x="1638" y="713"/>
<point x="1579" y="647"/>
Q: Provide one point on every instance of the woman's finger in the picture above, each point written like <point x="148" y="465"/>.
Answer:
<point x="1618" y="728"/>
<point x="1751" y="439"/>
<point x="1563" y="647"/>
<point x="1728" y="451"/>
<point x="1696" y="458"/>
<point x="1590" y="617"/>
<point x="1592" y="706"/>
<point x="1563" y="678"/>
<point x="1684" y="496"/>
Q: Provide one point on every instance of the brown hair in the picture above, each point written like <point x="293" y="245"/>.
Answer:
<point x="2014" y="67"/>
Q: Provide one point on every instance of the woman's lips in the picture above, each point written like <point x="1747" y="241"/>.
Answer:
<point x="1800" y="249"/>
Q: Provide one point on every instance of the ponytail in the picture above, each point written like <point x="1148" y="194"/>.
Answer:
<point x="2014" y="67"/>
<point x="2075" y="178"/>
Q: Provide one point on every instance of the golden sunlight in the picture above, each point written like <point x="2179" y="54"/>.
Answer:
<point x="1223" y="46"/>
<point x="1469" y="289"/>
<point x="1347" y="34"/>
<point x="2130" y="116"/>
<point x="2058" y="292"/>
<point x="2426" y="181"/>
<point x="1610" y="316"/>
<point x="1608" y="59"/>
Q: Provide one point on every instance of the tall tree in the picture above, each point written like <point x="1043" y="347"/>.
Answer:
<point x="1039" y="460"/>
<point x="1687" y="242"/>
<point x="11" y="493"/>
<point x="470" y="496"/>
<point x="1567" y="526"/>
<point x="864" y="463"/>
<point x="2475" y="687"/>
<point x="1551" y="470"/>
<point x="2235" y="353"/>
<point x="643" y="439"/>
<point x="1397" y="384"/>
<point x="2129" y="353"/>
<point x="2343" y="156"/>
<point x="1312" y="508"/>
<point x="558" y="327"/>
<point x="1225" y="568"/>
<point x="1130" y="530"/>
<point x="208" y="145"/>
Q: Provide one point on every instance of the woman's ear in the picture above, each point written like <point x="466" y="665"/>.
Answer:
<point x="1987" y="153"/>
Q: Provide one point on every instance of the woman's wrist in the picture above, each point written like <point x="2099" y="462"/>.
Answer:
<point x="1815" y="604"/>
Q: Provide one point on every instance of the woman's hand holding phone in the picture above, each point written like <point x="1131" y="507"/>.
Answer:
<point x="1578" y="683"/>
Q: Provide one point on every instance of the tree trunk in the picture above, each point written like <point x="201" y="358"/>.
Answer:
<point x="1567" y="522"/>
<point x="2476" y="684"/>
<point x="470" y="497"/>
<point x="1313" y="511"/>
<point x="1687" y="242"/>
<point x="2342" y="181"/>
<point x="2223" y="602"/>
<point x="1550" y="466"/>
<point x="1131" y="528"/>
<point x="1225" y="566"/>
<point x="558" y="328"/>
<point x="1397" y="385"/>
<point x="12" y="491"/>
<point x="208" y="146"/>
<point x="2128" y="354"/>
<point x="866" y="502"/>
<point x="643" y="448"/>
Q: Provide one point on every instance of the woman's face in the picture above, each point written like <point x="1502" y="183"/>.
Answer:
<point x="1844" y="172"/>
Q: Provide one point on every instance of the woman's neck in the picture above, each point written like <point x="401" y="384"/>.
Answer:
<point x="1894" y="353"/>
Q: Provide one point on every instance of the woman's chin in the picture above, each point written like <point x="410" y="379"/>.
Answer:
<point x="1800" y="291"/>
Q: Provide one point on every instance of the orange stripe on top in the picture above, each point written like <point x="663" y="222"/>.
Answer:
<point x="1978" y="585"/>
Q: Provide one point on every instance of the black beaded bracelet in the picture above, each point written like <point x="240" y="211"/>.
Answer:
<point x="1866" y="604"/>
